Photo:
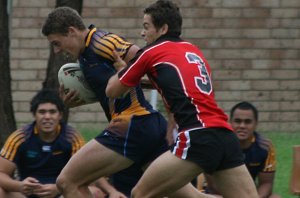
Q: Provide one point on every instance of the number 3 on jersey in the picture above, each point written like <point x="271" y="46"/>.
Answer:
<point x="202" y="81"/>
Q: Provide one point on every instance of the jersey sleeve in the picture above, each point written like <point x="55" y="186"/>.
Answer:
<point x="137" y="68"/>
<point x="12" y="145"/>
<point x="105" y="45"/>
<point x="77" y="142"/>
<point x="270" y="163"/>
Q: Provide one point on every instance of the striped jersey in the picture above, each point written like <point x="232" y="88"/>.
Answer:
<point x="36" y="158"/>
<point x="260" y="156"/>
<point x="96" y="63"/>
<point x="181" y="74"/>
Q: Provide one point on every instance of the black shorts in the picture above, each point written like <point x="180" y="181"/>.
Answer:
<point x="212" y="149"/>
<point x="143" y="141"/>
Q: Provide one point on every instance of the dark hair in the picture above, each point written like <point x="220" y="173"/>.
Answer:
<point x="244" y="106"/>
<point x="60" y="19"/>
<point x="165" y="12"/>
<point x="46" y="96"/>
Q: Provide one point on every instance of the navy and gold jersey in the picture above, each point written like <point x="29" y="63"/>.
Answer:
<point x="260" y="156"/>
<point x="96" y="63"/>
<point x="36" y="158"/>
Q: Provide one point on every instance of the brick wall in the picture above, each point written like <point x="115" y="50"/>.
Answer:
<point x="251" y="45"/>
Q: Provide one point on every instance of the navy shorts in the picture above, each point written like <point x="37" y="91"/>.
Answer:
<point x="126" y="179"/>
<point x="212" y="149"/>
<point x="143" y="141"/>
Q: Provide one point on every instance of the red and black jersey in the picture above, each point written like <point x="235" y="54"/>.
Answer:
<point x="181" y="74"/>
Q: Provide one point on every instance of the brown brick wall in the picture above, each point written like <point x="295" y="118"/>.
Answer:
<point x="252" y="47"/>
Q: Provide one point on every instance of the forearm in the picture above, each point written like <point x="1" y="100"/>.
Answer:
<point x="264" y="190"/>
<point x="105" y="186"/>
<point x="10" y="184"/>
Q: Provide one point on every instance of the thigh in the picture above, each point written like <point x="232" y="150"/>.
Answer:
<point x="166" y="174"/>
<point x="92" y="161"/>
<point x="11" y="194"/>
<point x="235" y="183"/>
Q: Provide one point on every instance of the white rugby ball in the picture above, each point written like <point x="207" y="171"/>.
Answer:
<point x="71" y="76"/>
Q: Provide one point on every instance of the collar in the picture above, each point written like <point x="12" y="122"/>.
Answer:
<point x="57" y="130"/>
<point x="88" y="37"/>
<point x="168" y="37"/>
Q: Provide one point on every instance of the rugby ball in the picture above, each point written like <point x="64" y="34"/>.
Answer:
<point x="71" y="76"/>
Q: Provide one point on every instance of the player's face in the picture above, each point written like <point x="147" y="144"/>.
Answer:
<point x="67" y="43"/>
<point x="149" y="32"/>
<point x="243" y="123"/>
<point x="47" y="118"/>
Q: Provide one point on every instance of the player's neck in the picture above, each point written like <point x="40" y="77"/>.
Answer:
<point x="48" y="137"/>
<point x="245" y="143"/>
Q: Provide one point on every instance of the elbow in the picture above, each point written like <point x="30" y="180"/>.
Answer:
<point x="114" y="89"/>
<point x="109" y="91"/>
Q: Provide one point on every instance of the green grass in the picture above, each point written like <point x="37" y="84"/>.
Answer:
<point x="89" y="134"/>
<point x="283" y="144"/>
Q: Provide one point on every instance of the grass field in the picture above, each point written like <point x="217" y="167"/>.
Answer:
<point x="283" y="144"/>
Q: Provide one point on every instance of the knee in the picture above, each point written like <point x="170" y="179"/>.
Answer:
<point x="66" y="184"/>
<point x="62" y="183"/>
<point x="136" y="192"/>
<point x="274" y="196"/>
<point x="2" y="192"/>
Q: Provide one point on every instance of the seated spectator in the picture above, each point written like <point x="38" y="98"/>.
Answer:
<point x="39" y="151"/>
<point x="259" y="151"/>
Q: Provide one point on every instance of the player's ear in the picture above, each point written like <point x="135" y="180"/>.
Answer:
<point x="61" y="115"/>
<point x="164" y="29"/>
<point x="71" y="31"/>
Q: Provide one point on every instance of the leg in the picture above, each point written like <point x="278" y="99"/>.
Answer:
<point x="189" y="191"/>
<point x="96" y="192"/>
<point x="235" y="183"/>
<point x="5" y="194"/>
<point x="92" y="161"/>
<point x="274" y="196"/>
<point x="165" y="176"/>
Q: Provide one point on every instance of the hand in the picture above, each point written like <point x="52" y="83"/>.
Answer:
<point x="46" y="191"/>
<point x="119" y="64"/>
<point x="70" y="97"/>
<point x="28" y="185"/>
<point x="116" y="194"/>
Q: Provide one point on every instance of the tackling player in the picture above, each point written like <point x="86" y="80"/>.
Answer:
<point x="206" y="142"/>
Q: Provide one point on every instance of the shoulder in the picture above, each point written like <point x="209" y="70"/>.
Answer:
<point x="17" y="137"/>
<point x="74" y="138"/>
<point x="72" y="135"/>
<point x="263" y="142"/>
<point x="103" y="36"/>
<point x="13" y="143"/>
<point x="104" y="43"/>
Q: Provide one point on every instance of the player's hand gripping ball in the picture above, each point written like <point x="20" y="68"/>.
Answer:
<point x="71" y="76"/>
